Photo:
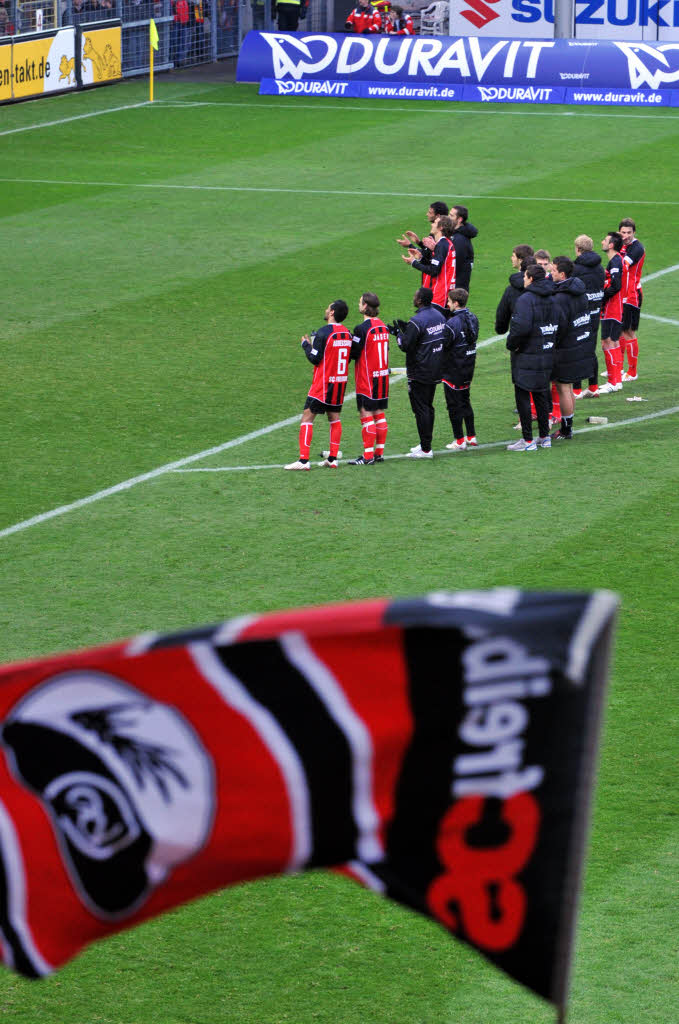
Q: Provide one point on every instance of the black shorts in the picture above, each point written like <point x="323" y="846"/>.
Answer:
<point x="611" y="329"/>
<point x="371" y="404"/>
<point x="630" y="317"/>
<point x="319" y="408"/>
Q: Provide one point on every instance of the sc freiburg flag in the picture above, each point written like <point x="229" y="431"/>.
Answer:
<point x="439" y="750"/>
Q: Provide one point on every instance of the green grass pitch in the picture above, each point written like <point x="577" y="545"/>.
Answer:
<point x="160" y="264"/>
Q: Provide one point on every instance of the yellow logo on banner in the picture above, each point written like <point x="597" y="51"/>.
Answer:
<point x="5" y="72"/>
<point x="43" y="65"/>
<point x="101" y="55"/>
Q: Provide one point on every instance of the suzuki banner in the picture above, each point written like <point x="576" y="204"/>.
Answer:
<point x="462" y="68"/>
<point x="594" y="19"/>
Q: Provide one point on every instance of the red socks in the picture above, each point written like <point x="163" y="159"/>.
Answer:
<point x="369" y="433"/>
<point x="306" y="431"/>
<point x="614" y="364"/>
<point x="632" y="356"/>
<point x="381" y="432"/>
<point x="556" y="404"/>
<point x="335" y="437"/>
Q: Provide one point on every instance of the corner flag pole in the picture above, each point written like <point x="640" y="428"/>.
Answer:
<point x="153" y="45"/>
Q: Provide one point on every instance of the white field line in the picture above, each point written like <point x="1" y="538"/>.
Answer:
<point x="444" y="451"/>
<point x="169" y="467"/>
<point x="323" y="108"/>
<point x="165" y="186"/>
<point x="660" y="319"/>
<point x="659" y="273"/>
<point x="74" y="117"/>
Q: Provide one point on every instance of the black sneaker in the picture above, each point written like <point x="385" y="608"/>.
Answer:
<point x="379" y="458"/>
<point x="360" y="461"/>
<point x="559" y="435"/>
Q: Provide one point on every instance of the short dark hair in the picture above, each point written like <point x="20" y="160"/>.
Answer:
<point x="446" y="225"/>
<point x="440" y="209"/>
<point x="372" y="302"/>
<point x="627" y="222"/>
<point x="425" y="296"/>
<point x="616" y="240"/>
<point x="522" y="252"/>
<point x="459" y="295"/>
<point x="535" y="272"/>
<point x="462" y="212"/>
<point x="542" y="254"/>
<point x="563" y="265"/>
<point x="340" y="310"/>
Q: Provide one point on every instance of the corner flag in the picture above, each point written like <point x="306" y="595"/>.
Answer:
<point x="153" y="34"/>
<point x="153" y="45"/>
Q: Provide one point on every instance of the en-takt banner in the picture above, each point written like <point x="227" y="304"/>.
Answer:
<point x="465" y="68"/>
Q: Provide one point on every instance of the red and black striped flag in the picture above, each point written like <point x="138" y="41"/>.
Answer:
<point x="439" y="750"/>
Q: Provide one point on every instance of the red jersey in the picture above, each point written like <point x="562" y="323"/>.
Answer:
<point x="329" y="351"/>
<point x="371" y="352"/>
<point x="364" y="19"/>
<point x="633" y="256"/>
<point x="612" y="307"/>
<point x="439" y="275"/>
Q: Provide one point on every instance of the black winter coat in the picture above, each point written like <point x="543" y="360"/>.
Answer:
<point x="535" y="327"/>
<point x="589" y="268"/>
<point x="506" y="305"/>
<point x="422" y="342"/>
<point x="464" y="254"/>
<point x="459" y="347"/>
<point x="574" y="357"/>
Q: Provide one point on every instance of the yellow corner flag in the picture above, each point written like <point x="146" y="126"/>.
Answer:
<point x="153" y="45"/>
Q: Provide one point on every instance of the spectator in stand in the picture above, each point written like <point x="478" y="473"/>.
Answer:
<point x="4" y="18"/>
<point x="398" y="23"/>
<point x="464" y="250"/>
<point x="364" y="18"/>
<point x="180" y="32"/>
<point x="82" y="12"/>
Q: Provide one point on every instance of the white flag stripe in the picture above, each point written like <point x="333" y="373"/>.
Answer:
<point x="369" y="846"/>
<point x="370" y="880"/>
<point x="232" y="691"/>
<point x="12" y="858"/>
<point x="599" y="608"/>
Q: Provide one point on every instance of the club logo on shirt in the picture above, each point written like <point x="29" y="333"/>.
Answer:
<point x="126" y="783"/>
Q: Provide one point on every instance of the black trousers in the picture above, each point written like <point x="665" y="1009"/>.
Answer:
<point x="460" y="410"/>
<point x="421" y="396"/>
<point x="594" y="379"/>
<point x="543" y="403"/>
<point x="288" y="17"/>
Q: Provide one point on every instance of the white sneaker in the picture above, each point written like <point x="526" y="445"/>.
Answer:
<point x="472" y="442"/>
<point x="331" y="465"/>
<point x="544" y="442"/>
<point x="416" y="448"/>
<point x="608" y="389"/>
<point x="627" y="378"/>
<point x="455" y="447"/>
<point x="517" y="426"/>
<point x="604" y="374"/>
<point x="588" y="393"/>
<point x="298" y="465"/>
<point x="326" y="452"/>
<point x="420" y="455"/>
<point x="579" y="395"/>
<point x="522" y="446"/>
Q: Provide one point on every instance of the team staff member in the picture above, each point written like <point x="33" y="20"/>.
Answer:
<point x="289" y="13"/>
<point x="437" y="264"/>
<point x="522" y="255"/>
<point x="371" y="354"/>
<point x="572" y="359"/>
<point x="457" y="370"/>
<point x="464" y="250"/>
<point x="633" y="256"/>
<point x="329" y="349"/>
<point x="611" y="313"/>
<point x="364" y="18"/>
<point x="589" y="269"/>
<point x="533" y="332"/>
<point x="422" y="341"/>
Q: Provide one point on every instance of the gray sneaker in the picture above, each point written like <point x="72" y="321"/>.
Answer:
<point x="522" y="446"/>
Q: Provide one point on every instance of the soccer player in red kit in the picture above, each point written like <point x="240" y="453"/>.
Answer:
<point x="371" y="355"/>
<point x="329" y="349"/>
<point x="437" y="265"/>
<point x="633" y="256"/>
<point x="611" y="313"/>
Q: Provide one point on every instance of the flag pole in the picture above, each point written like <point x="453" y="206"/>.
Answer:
<point x="153" y="45"/>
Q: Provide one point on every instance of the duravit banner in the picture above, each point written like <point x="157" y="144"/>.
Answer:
<point x="465" y="68"/>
